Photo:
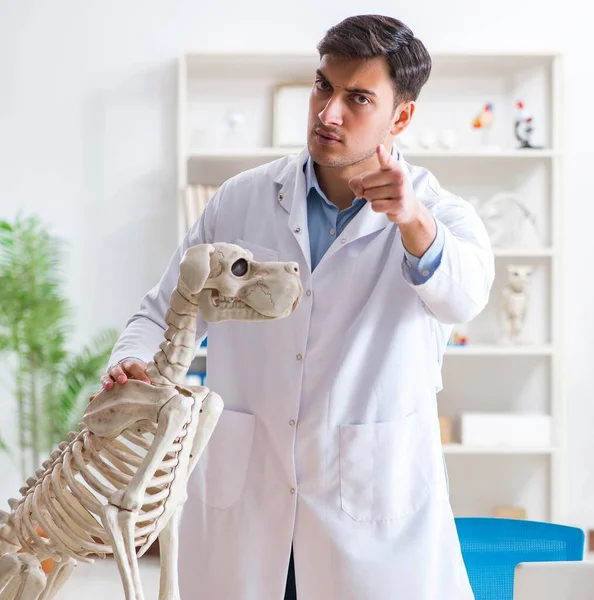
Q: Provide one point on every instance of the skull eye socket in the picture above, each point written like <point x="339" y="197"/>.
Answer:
<point x="239" y="267"/>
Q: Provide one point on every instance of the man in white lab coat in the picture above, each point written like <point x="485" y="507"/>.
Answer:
<point x="328" y="456"/>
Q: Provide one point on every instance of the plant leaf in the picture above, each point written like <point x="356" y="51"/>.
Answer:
<point x="36" y="330"/>
<point x="80" y="378"/>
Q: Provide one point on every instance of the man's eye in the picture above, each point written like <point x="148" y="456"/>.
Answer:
<point x="322" y="85"/>
<point x="361" y="99"/>
<point x="239" y="267"/>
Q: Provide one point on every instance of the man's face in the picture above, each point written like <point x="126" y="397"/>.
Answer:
<point x="351" y="110"/>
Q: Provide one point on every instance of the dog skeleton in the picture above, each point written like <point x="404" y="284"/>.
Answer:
<point x="120" y="482"/>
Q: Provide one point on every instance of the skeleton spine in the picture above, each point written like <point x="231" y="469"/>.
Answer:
<point x="171" y="363"/>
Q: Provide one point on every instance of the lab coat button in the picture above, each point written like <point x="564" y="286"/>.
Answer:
<point x="343" y="241"/>
<point x="308" y="293"/>
<point x="280" y="197"/>
<point x="299" y="357"/>
<point x="297" y="229"/>
<point x="292" y="490"/>
<point x="292" y="422"/>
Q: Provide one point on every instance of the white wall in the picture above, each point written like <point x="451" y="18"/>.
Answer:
<point x="87" y="141"/>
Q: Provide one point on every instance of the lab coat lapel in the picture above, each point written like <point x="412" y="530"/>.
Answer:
<point x="292" y="197"/>
<point x="364" y="223"/>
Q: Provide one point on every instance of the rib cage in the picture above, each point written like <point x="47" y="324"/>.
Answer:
<point x="72" y="489"/>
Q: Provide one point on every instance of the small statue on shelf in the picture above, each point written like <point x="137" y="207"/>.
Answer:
<point x="509" y="221"/>
<point x="483" y="121"/>
<point x="523" y="126"/>
<point x="235" y="132"/>
<point x="514" y="302"/>
<point x="458" y="338"/>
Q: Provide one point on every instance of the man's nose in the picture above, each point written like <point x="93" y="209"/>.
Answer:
<point x="331" y="114"/>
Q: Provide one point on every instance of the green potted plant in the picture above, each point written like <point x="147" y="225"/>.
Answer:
<point x="50" y="384"/>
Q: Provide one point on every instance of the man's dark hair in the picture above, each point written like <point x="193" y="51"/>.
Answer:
<point x="372" y="36"/>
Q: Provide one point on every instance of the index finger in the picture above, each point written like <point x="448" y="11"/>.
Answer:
<point x="137" y="371"/>
<point x="386" y="160"/>
<point x="118" y="374"/>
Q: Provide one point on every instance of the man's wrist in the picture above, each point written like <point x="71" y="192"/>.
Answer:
<point x="419" y="233"/>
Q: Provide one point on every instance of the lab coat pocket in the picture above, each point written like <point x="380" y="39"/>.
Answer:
<point x="226" y="458"/>
<point x="260" y="253"/>
<point x="383" y="469"/>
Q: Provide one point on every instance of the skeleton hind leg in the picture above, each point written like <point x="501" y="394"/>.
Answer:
<point x="10" y="569"/>
<point x="58" y="576"/>
<point x="21" y="577"/>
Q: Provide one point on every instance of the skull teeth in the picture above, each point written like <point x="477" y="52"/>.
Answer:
<point x="227" y="302"/>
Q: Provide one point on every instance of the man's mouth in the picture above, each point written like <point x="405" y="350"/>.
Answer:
<point x="327" y="135"/>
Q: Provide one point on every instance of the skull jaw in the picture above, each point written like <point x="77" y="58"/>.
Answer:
<point x="214" y="311"/>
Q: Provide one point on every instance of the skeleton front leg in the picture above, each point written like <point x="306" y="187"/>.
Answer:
<point x="174" y="414"/>
<point x="118" y="524"/>
<point x="168" y="557"/>
<point x="210" y="411"/>
<point x="120" y="514"/>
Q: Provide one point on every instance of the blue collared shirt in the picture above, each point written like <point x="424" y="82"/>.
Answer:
<point x="325" y="222"/>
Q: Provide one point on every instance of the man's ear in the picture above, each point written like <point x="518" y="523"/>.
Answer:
<point x="402" y="117"/>
<point x="194" y="268"/>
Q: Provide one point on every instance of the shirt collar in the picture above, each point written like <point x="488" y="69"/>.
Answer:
<point x="311" y="180"/>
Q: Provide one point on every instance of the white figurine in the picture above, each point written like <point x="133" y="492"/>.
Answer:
<point x="448" y="139"/>
<point x="120" y="482"/>
<point x="427" y="139"/>
<point x="509" y="222"/>
<point x="405" y="140"/>
<point x="514" y="302"/>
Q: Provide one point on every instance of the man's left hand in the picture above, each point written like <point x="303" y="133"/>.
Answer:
<point x="388" y="190"/>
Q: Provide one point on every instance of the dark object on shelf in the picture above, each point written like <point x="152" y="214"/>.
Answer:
<point x="524" y="127"/>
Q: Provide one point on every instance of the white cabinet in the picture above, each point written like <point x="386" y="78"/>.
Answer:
<point x="225" y="122"/>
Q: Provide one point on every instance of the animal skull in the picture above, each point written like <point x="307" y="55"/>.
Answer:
<point x="240" y="288"/>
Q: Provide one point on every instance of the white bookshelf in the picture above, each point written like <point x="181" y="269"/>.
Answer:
<point x="500" y="350"/>
<point x="484" y="375"/>
<point x="231" y="154"/>
<point x="455" y="448"/>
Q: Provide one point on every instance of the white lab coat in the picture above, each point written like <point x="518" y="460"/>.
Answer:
<point x="329" y="438"/>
